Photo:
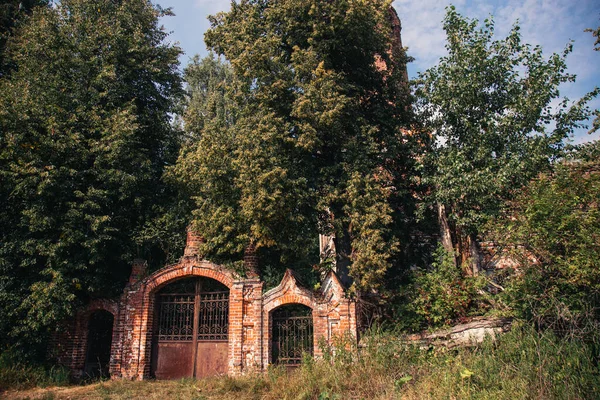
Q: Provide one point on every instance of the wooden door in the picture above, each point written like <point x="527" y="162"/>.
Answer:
<point x="191" y="337"/>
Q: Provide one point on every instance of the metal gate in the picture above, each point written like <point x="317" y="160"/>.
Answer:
<point x="191" y="334"/>
<point x="292" y="334"/>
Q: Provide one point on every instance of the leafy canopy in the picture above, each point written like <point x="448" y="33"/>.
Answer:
<point x="552" y="228"/>
<point x="85" y="137"/>
<point x="489" y="106"/>
<point x="315" y="143"/>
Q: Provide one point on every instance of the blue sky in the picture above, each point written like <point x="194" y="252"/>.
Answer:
<point x="549" y="23"/>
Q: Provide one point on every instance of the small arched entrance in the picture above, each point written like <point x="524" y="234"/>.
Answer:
<point x="100" y="329"/>
<point x="191" y="329"/>
<point x="291" y="334"/>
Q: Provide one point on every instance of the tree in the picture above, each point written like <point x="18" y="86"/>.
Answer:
<point x="315" y="146"/>
<point x="488" y="104"/>
<point x="12" y="13"/>
<point x="86" y="135"/>
<point x="209" y="84"/>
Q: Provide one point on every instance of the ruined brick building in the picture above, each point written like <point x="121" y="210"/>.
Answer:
<point x="197" y="319"/>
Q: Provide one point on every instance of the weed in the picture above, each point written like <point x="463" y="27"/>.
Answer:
<point x="522" y="364"/>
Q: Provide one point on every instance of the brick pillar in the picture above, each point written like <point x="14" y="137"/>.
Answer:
<point x="252" y="325"/>
<point x="138" y="270"/>
<point x="116" y="349"/>
<point x="320" y="322"/>
<point x="236" y="304"/>
<point x="251" y="261"/>
<point x="193" y="243"/>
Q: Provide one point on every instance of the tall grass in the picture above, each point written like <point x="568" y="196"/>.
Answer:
<point x="522" y="364"/>
<point x="18" y="375"/>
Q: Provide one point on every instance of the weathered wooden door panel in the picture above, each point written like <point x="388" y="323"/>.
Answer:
<point x="173" y="360"/>
<point x="211" y="359"/>
<point x="192" y="327"/>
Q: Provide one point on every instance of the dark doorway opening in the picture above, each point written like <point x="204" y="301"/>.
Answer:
<point x="191" y="331"/>
<point x="99" y="342"/>
<point x="292" y="334"/>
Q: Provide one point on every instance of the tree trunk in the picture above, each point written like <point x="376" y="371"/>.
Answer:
<point x="445" y="233"/>
<point x="343" y="248"/>
<point x="475" y="254"/>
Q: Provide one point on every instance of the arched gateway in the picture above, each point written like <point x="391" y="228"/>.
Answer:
<point x="191" y="329"/>
<point x="197" y="319"/>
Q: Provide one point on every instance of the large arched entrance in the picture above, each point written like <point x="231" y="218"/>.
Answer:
<point x="291" y="334"/>
<point x="99" y="340"/>
<point x="191" y="330"/>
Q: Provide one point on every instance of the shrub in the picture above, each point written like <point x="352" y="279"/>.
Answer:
<point x="441" y="294"/>
<point x="18" y="375"/>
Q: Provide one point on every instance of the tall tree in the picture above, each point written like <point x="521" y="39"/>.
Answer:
<point x="12" y="13"/>
<point x="86" y="135"/>
<point x="488" y="104"/>
<point x="209" y="88"/>
<point x="316" y="146"/>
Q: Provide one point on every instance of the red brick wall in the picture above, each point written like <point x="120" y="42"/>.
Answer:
<point x="249" y="318"/>
<point x="68" y="346"/>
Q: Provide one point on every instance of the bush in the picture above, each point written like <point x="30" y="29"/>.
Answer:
<point x="440" y="295"/>
<point x="18" y="375"/>
<point x="552" y="229"/>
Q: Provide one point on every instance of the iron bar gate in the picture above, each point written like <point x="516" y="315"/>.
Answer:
<point x="292" y="334"/>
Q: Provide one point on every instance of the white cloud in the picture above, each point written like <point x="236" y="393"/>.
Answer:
<point x="548" y="23"/>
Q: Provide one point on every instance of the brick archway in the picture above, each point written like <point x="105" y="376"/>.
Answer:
<point x="69" y="344"/>
<point x="173" y="273"/>
<point x="153" y="283"/>
<point x="249" y="340"/>
<point x="288" y="292"/>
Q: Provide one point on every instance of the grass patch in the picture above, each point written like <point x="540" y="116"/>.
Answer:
<point x="14" y="375"/>
<point x="523" y="364"/>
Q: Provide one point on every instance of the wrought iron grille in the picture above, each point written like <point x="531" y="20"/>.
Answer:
<point x="176" y="317"/>
<point x="189" y="308"/>
<point x="292" y="335"/>
<point x="213" y="318"/>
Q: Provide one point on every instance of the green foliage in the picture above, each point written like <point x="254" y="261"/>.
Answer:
<point x="312" y="143"/>
<point x="12" y="14"/>
<point x="441" y="295"/>
<point x="85" y="136"/>
<point x="552" y="229"/>
<point x="596" y="34"/>
<point x="522" y="364"/>
<point x="489" y="106"/>
<point x="15" y="374"/>
<point x="209" y="85"/>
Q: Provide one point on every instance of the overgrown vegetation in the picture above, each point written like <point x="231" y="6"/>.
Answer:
<point x="300" y="124"/>
<point x="523" y="364"/>
<point x="17" y="374"/>
<point x="440" y="295"/>
<point x="302" y="135"/>
<point x="85" y="137"/>
<point x="552" y="229"/>
<point x="488" y="104"/>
